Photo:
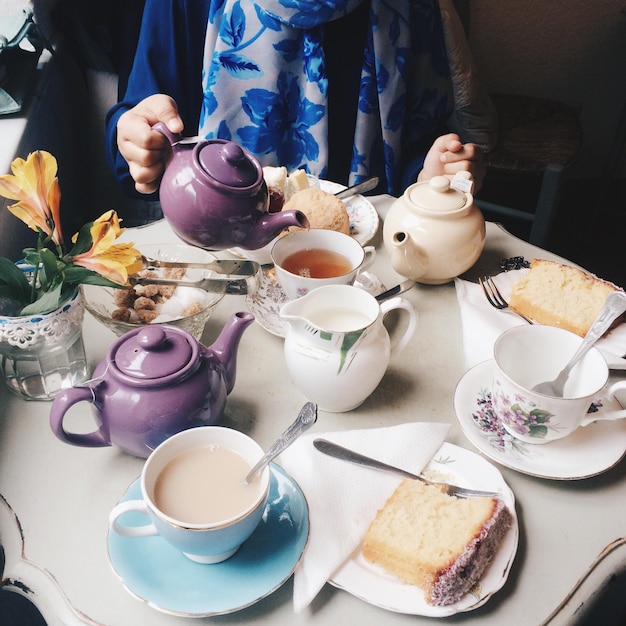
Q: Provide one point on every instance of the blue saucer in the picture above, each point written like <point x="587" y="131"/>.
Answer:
<point x="160" y="575"/>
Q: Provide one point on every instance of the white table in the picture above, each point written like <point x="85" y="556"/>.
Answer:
<point x="55" y="498"/>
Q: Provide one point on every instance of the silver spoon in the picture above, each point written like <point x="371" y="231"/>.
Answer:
<point x="306" y="418"/>
<point x="614" y="306"/>
<point x="405" y="285"/>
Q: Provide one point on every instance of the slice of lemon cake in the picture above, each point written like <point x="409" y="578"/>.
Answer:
<point x="440" y="543"/>
<point x="559" y="295"/>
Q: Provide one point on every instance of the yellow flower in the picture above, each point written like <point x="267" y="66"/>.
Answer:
<point x="35" y="185"/>
<point x="113" y="261"/>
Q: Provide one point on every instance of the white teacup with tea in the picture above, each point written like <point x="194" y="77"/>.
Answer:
<point x="195" y="495"/>
<point x="528" y="355"/>
<point x="305" y="260"/>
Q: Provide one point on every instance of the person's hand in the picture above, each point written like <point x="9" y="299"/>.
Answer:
<point x="146" y="150"/>
<point x="448" y="156"/>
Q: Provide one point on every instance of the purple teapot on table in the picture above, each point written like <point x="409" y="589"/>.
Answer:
<point x="154" y="382"/>
<point x="214" y="196"/>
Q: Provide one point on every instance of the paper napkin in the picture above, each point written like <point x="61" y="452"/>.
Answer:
<point x="343" y="497"/>
<point x="482" y="324"/>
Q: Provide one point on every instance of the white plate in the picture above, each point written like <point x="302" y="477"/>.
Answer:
<point x="363" y="223"/>
<point x="266" y="302"/>
<point x="373" y="585"/>
<point x="587" y="452"/>
<point x="363" y="216"/>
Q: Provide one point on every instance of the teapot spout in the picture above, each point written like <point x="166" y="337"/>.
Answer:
<point x="271" y="225"/>
<point x="406" y="257"/>
<point x="226" y="345"/>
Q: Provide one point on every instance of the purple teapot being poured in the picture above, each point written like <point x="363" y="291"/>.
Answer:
<point x="214" y="196"/>
<point x="154" y="382"/>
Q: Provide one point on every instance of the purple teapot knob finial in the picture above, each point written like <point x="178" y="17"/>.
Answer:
<point x="152" y="338"/>
<point x="233" y="154"/>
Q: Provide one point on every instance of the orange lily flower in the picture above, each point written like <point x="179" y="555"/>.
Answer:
<point x="35" y="185"/>
<point x="113" y="261"/>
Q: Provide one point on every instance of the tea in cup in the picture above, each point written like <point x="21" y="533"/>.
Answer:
<point x="528" y="355"/>
<point x="195" y="495"/>
<point x="305" y="260"/>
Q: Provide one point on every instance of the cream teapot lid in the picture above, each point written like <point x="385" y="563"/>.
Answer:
<point x="439" y="194"/>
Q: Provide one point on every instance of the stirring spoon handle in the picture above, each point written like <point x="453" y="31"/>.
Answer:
<point x="614" y="307"/>
<point x="306" y="419"/>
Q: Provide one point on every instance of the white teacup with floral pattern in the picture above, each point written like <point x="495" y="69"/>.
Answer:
<point x="527" y="355"/>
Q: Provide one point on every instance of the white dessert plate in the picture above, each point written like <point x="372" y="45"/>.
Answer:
<point x="363" y="216"/>
<point x="364" y="222"/>
<point x="159" y="575"/>
<point x="265" y="303"/>
<point x="375" y="586"/>
<point x="587" y="452"/>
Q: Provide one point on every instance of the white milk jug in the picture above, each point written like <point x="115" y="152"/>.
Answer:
<point x="337" y="348"/>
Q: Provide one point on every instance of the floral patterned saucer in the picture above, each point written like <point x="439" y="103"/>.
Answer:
<point x="265" y="304"/>
<point x="587" y="452"/>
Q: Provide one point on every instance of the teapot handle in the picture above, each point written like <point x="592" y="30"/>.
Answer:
<point x="173" y="138"/>
<point x="62" y="403"/>
<point x="401" y="303"/>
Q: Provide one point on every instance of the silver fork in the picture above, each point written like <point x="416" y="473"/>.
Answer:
<point x="496" y="299"/>
<point x="345" y="454"/>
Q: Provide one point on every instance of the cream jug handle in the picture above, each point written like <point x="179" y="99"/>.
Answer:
<point x="401" y="303"/>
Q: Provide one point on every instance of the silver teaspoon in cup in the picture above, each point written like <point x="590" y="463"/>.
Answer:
<point x="306" y="418"/>
<point x="614" y="306"/>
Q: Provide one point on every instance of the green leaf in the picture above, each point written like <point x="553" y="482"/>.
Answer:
<point x="47" y="301"/>
<point x="538" y="431"/>
<point x="77" y="275"/>
<point x="83" y="241"/>
<point x="14" y="281"/>
<point x="51" y="272"/>
<point x="541" y="415"/>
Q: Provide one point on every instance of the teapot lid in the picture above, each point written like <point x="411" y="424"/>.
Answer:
<point x="437" y="195"/>
<point x="154" y="352"/>
<point x="228" y="163"/>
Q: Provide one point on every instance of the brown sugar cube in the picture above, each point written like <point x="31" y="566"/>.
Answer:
<point x="175" y="273"/>
<point x="149" y="291"/>
<point x="192" y="309"/>
<point x="144" y="304"/>
<point x="121" y="315"/>
<point x="147" y="315"/>
<point x="124" y="297"/>
<point x="167" y="291"/>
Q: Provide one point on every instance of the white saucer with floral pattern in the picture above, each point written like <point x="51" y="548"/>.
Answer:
<point x="587" y="452"/>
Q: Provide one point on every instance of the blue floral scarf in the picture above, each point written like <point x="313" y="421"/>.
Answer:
<point x="265" y="84"/>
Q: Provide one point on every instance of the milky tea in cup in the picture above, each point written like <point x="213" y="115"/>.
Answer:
<point x="195" y="495"/>
<point x="528" y="355"/>
<point x="305" y="260"/>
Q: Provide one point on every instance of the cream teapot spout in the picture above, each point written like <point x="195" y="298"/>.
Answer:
<point x="407" y="258"/>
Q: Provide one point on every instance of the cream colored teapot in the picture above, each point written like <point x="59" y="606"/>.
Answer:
<point x="434" y="231"/>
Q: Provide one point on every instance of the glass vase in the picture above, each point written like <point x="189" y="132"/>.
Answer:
<point x="43" y="353"/>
